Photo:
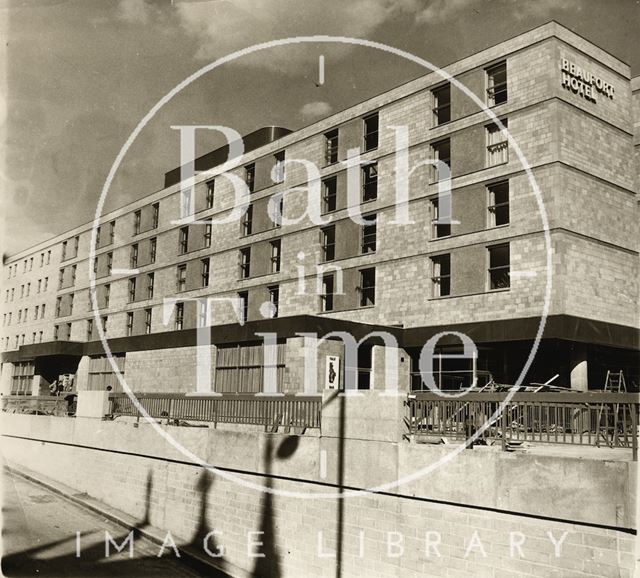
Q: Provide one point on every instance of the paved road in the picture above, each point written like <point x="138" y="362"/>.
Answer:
<point x="39" y="539"/>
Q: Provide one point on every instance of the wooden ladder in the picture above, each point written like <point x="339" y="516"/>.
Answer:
<point x="607" y="424"/>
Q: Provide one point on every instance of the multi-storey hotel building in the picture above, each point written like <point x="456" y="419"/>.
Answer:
<point x="569" y="105"/>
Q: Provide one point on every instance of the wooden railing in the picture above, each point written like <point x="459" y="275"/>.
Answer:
<point x="38" y="405"/>
<point x="288" y="410"/>
<point x="593" y="418"/>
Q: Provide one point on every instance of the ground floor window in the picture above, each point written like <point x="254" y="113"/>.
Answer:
<point x="239" y="368"/>
<point x="22" y="379"/>
<point x="101" y="374"/>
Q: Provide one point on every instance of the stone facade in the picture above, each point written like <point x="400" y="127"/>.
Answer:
<point x="578" y="153"/>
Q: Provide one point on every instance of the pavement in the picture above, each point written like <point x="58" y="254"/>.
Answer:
<point x="39" y="538"/>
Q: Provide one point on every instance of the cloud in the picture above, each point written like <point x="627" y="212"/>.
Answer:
<point x="134" y="11"/>
<point x="316" y="109"/>
<point x="224" y="26"/>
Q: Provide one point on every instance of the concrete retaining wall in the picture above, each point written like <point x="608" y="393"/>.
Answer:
<point x="475" y="505"/>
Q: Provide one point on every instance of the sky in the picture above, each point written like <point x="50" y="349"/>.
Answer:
<point x="77" y="76"/>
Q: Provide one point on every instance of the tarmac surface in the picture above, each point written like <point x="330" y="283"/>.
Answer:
<point x="39" y="539"/>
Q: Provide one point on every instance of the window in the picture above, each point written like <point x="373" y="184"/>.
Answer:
<point x="369" y="235"/>
<point x="371" y="132"/>
<point x="181" y="282"/>
<point x="250" y="176"/>
<point x="367" y="287"/>
<point x="155" y="215"/>
<point x="439" y="229"/>
<point x="64" y="250"/>
<point x="328" y="240"/>
<point x="137" y="216"/>
<point x="24" y="267"/>
<point x="46" y="284"/>
<point x="147" y="321"/>
<point x="441" y="152"/>
<point x="74" y="270"/>
<point x="207" y="234"/>
<point x="329" y="194"/>
<point x="150" y="282"/>
<point x="441" y="104"/>
<point x="370" y="182"/>
<point x="107" y="294"/>
<point x="441" y="275"/>
<point x="497" y="84"/>
<point x="36" y="313"/>
<point x="76" y="245"/>
<point x="109" y="263"/>
<point x="279" y="167"/>
<point x="30" y="263"/>
<point x="112" y="231"/>
<point x="56" y="333"/>
<point x="274" y="299"/>
<point x="129" y="323"/>
<point x="153" y="249"/>
<point x="71" y="295"/>
<point x="48" y="257"/>
<point x="42" y="311"/>
<point x="280" y="212"/>
<point x="243" y="297"/>
<point x="497" y="144"/>
<point x="89" y="329"/>
<point x="60" y="282"/>
<point x="39" y="337"/>
<point x="205" y="263"/>
<point x="134" y="256"/>
<point x="245" y="263"/>
<point x="13" y="291"/>
<point x="101" y="373"/>
<point x="499" y="266"/>
<point x="326" y="297"/>
<point x="29" y="285"/>
<point x="98" y="230"/>
<point x="58" y="308"/>
<point x="331" y="147"/>
<point x="275" y="255"/>
<point x="179" y="322"/>
<point x="105" y="323"/>
<point x="183" y="241"/>
<point x="20" y="313"/>
<point x="33" y="337"/>
<point x="42" y="256"/>
<point x="211" y="187"/>
<point x="247" y="221"/>
<point x="132" y="289"/>
<point x="498" y="204"/>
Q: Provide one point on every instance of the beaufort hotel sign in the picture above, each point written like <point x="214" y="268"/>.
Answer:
<point x="583" y="82"/>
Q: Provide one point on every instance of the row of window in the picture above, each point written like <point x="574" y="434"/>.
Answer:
<point x="366" y="289"/>
<point x="27" y="264"/>
<point x="25" y="290"/>
<point x="498" y="271"/>
<point x="496" y="82"/>
<point x="36" y="337"/>
<point x="23" y="315"/>
<point x="496" y="77"/>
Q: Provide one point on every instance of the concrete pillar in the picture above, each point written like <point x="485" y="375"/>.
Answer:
<point x="5" y="378"/>
<point x="390" y="378"/>
<point x="579" y="367"/>
<point x="304" y="374"/>
<point x="82" y="374"/>
<point x="93" y="404"/>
